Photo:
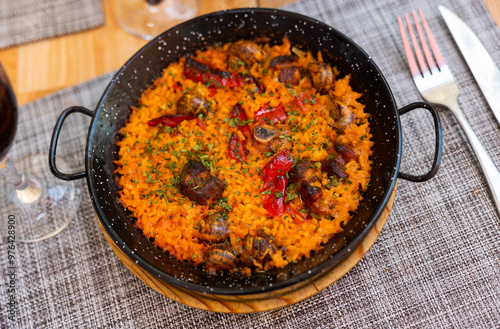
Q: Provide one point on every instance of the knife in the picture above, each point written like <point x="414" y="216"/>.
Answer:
<point x="480" y="62"/>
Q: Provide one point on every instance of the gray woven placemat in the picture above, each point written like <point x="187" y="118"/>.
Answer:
<point x="436" y="263"/>
<point x="24" y="21"/>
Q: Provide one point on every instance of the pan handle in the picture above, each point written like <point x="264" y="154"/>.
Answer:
<point x="55" y="137"/>
<point x="439" y="141"/>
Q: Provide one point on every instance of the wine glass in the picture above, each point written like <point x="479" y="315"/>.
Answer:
<point x="34" y="205"/>
<point x="149" y="18"/>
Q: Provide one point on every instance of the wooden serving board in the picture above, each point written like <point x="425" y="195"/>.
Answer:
<point x="257" y="302"/>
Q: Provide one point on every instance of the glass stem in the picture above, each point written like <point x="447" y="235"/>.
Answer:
<point x="28" y="189"/>
<point x="9" y="171"/>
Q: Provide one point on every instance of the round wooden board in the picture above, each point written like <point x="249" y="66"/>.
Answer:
<point x="257" y="302"/>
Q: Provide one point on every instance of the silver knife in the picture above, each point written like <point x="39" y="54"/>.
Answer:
<point x="480" y="62"/>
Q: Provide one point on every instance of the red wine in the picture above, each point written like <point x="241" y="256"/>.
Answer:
<point x="8" y="114"/>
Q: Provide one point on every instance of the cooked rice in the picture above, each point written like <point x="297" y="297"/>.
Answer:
<point x="151" y="158"/>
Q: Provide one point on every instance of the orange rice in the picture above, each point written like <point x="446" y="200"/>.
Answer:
<point x="151" y="158"/>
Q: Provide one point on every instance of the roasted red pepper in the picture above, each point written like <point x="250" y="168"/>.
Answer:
<point x="274" y="201"/>
<point x="169" y="120"/>
<point x="275" y="182"/>
<point x="278" y="166"/>
<point x="239" y="115"/>
<point x="267" y="114"/>
<point x="199" y="72"/>
<point x="236" y="148"/>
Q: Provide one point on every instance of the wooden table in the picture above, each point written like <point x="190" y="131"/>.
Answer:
<point x="43" y="67"/>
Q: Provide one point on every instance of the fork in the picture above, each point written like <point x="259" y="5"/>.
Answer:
<point x="436" y="84"/>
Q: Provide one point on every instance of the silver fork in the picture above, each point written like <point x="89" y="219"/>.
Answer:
<point x="436" y="84"/>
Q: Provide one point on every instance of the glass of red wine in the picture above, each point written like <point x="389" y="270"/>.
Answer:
<point x="34" y="205"/>
<point x="148" y="18"/>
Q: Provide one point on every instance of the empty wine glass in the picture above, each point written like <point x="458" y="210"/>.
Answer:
<point x="34" y="205"/>
<point x="149" y="18"/>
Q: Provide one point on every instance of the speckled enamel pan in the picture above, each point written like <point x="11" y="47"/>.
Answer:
<point x="148" y="63"/>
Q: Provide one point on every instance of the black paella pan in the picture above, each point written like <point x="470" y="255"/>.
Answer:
<point x="147" y="64"/>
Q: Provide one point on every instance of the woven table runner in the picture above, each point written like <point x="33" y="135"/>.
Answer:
<point x="24" y="21"/>
<point x="436" y="263"/>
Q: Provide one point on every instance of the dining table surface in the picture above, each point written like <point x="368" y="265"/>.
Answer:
<point x="436" y="263"/>
<point x="43" y="67"/>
